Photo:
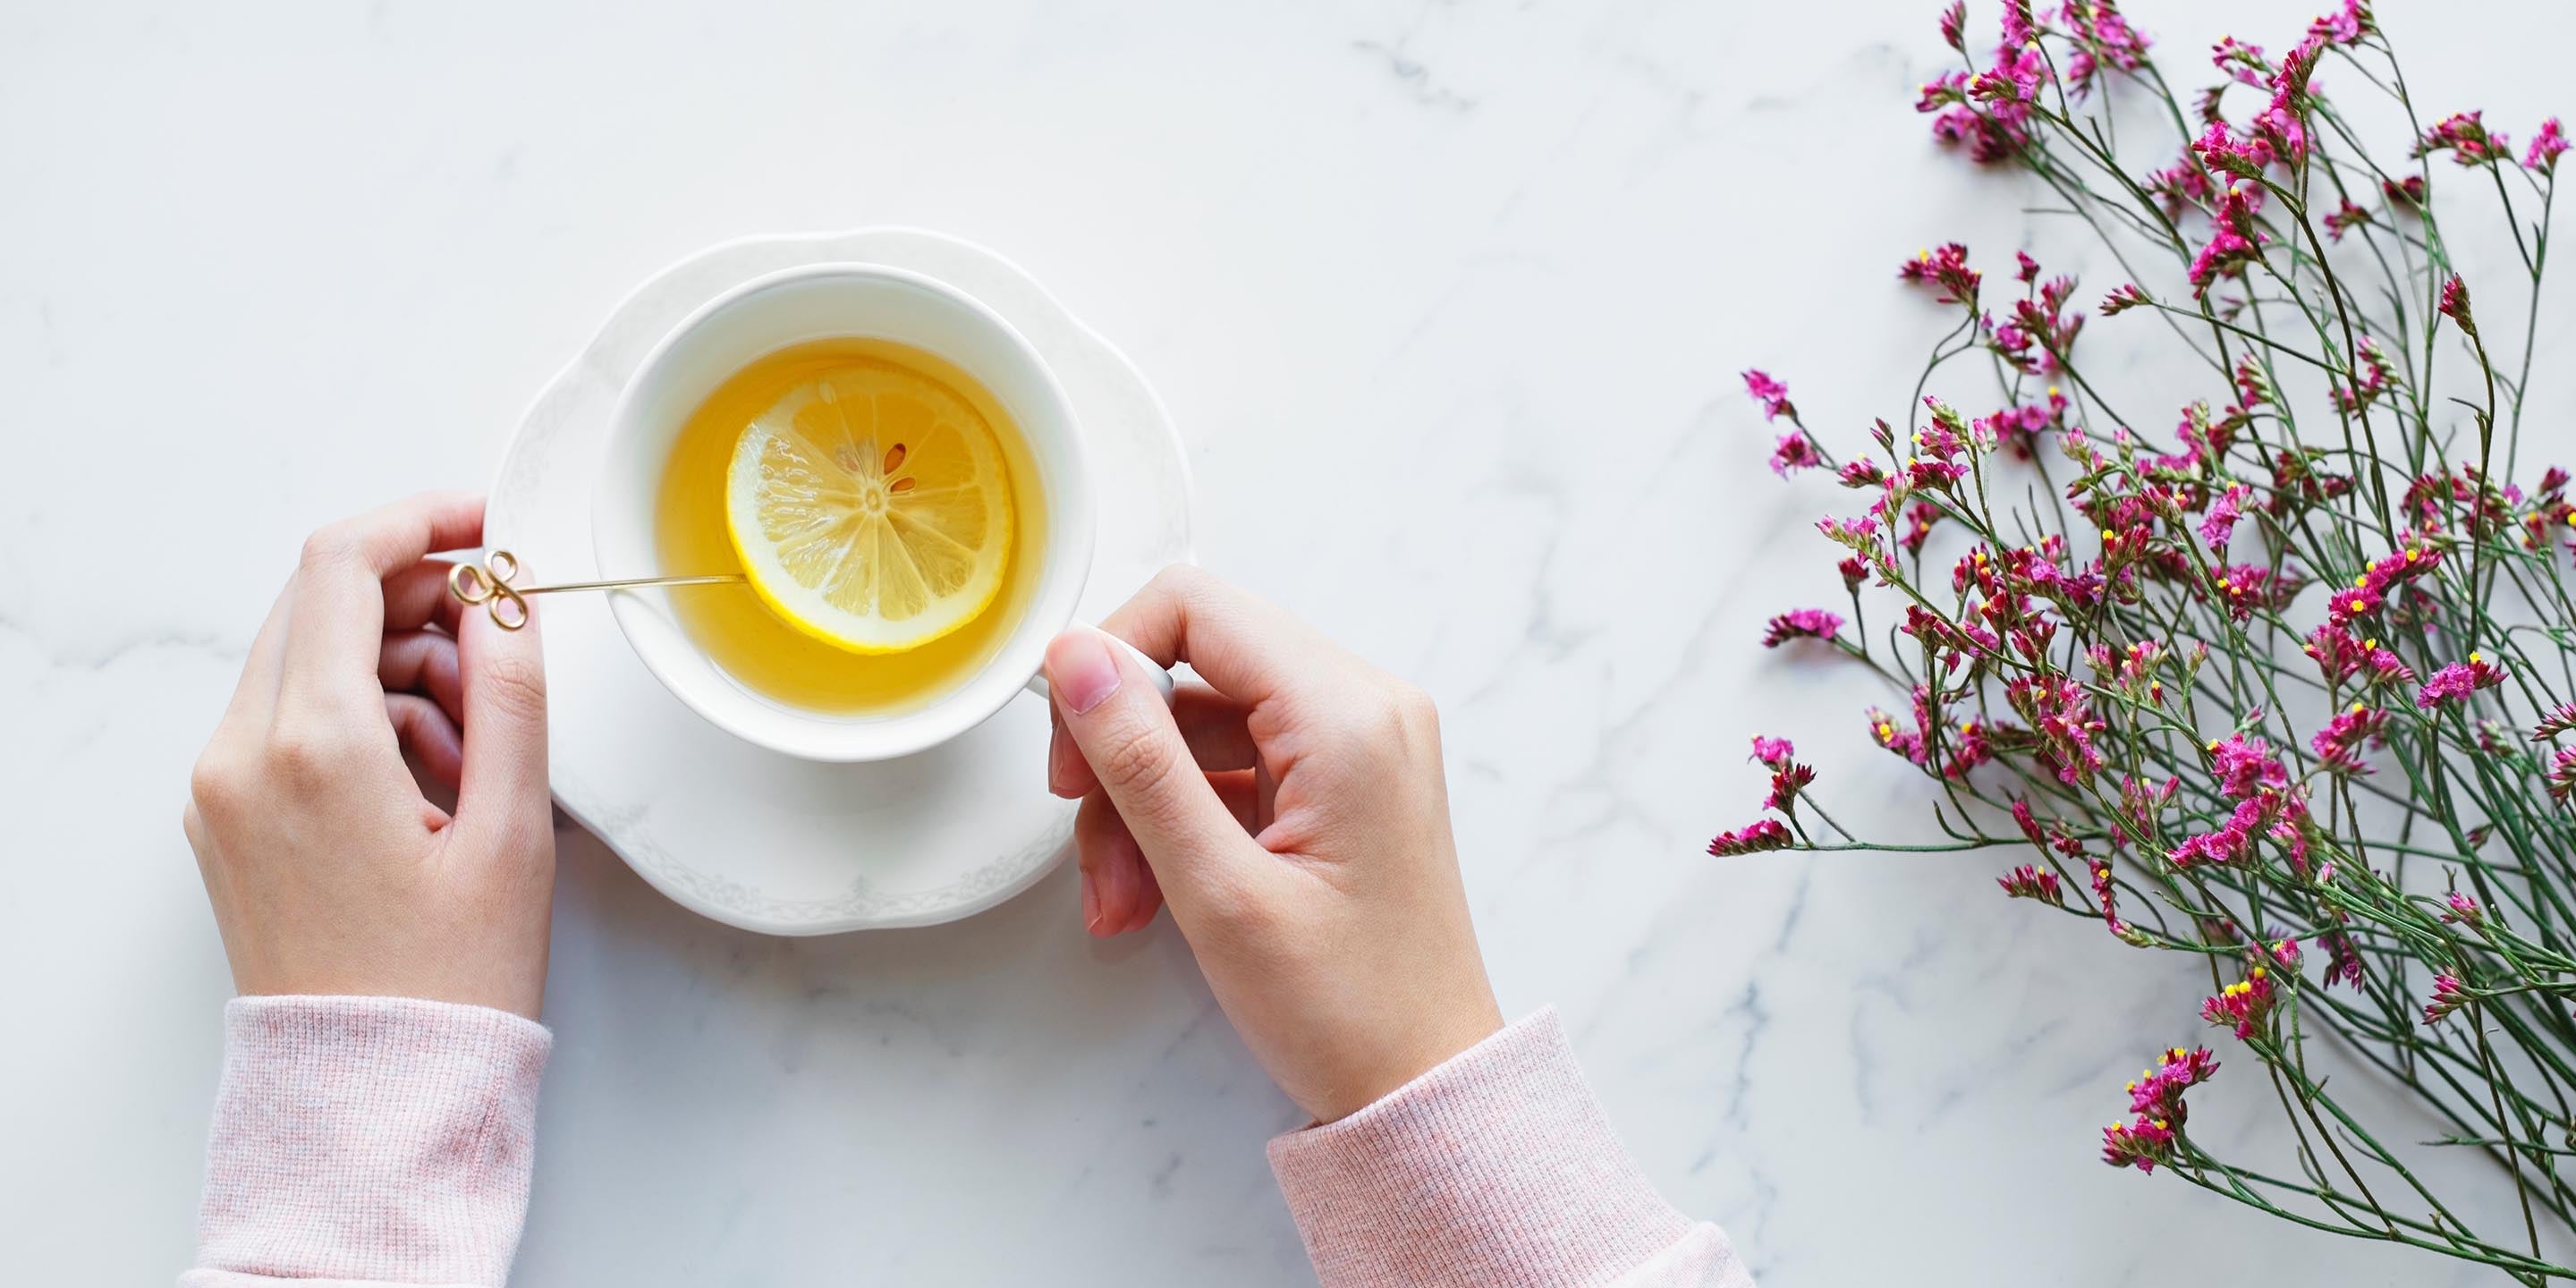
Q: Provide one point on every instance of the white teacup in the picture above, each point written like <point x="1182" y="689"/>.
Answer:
<point x="820" y="302"/>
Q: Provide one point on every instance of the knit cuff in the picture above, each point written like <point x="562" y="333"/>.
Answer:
<point x="1497" y="1167"/>
<point x="370" y="1138"/>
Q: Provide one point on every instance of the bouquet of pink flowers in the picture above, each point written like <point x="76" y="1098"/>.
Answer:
<point x="2283" y="686"/>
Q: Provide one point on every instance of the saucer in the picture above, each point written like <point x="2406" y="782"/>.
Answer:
<point x="763" y="841"/>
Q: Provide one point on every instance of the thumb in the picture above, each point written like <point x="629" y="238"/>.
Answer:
<point x="503" y="787"/>
<point x="1124" y="730"/>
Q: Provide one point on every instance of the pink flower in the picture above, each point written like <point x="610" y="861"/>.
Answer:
<point x="1996" y="134"/>
<point x="2141" y="1144"/>
<point x="1765" y="835"/>
<point x="2018" y="429"/>
<point x="1859" y="534"/>
<point x="2181" y="185"/>
<point x="2455" y="304"/>
<point x="1946" y="268"/>
<point x="2545" y="147"/>
<point x="1786" y="782"/>
<point x="2018" y="28"/>
<point x="2562" y="775"/>
<point x="2448" y="995"/>
<point x="2158" y="1092"/>
<point x="2061" y="723"/>
<point x="2346" y="606"/>
<point x="2232" y="245"/>
<point x="2286" y="952"/>
<point x="1803" y="623"/>
<point x="1854" y="571"/>
<point x="2464" y="910"/>
<point x="2413" y="560"/>
<point x="1773" y="395"/>
<point x="2123" y="298"/>
<point x="2012" y="84"/>
<point x="2223" y="153"/>
<point x="2463" y="136"/>
<point x="2243" y="62"/>
<point x="1861" y="472"/>
<point x="2245" y="767"/>
<point x="2408" y="191"/>
<point x="1775" y="753"/>
<point x="2220" y="847"/>
<point x="2339" y="745"/>
<point x="2376" y="378"/>
<point x="2028" y="882"/>
<point x="2101" y="36"/>
<point x="2345" y="218"/>
<point x="2247" y="587"/>
<point x="1919" y="518"/>
<point x="1904" y="742"/>
<point x="1954" y="22"/>
<point x="2457" y="681"/>
<point x="2029" y="823"/>
<point x="2347" y="27"/>
<point x="2560" y="719"/>
<point x="2107" y="895"/>
<point x="2041" y="331"/>
<point x="2337" y="653"/>
<point x="2220" y="523"/>
<point x="2282" y="124"/>
<point x="2244" y="1005"/>
<point x="1795" y="451"/>
<point x="2341" y="657"/>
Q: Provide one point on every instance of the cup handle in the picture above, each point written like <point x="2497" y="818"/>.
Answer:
<point x="1153" y="671"/>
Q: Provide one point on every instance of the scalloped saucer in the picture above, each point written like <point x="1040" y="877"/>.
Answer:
<point x="763" y="841"/>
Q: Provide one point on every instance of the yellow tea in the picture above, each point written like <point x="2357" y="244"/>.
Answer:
<point x="734" y="627"/>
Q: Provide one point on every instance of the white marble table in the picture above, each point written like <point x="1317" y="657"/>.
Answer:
<point x="1448" y="299"/>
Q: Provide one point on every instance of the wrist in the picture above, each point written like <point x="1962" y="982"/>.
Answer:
<point x="1407" y="1056"/>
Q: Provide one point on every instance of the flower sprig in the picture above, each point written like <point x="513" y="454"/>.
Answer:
<point x="2254" y="681"/>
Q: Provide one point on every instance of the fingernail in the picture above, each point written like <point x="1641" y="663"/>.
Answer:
<point x="1090" y="906"/>
<point x="1081" y="670"/>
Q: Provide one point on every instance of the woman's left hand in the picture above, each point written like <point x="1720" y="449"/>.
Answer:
<point x="328" y="869"/>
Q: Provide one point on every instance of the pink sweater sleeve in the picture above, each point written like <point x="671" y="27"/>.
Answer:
<point x="1496" y="1168"/>
<point x="368" y="1140"/>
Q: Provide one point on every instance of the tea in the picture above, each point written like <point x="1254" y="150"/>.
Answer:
<point x="735" y="628"/>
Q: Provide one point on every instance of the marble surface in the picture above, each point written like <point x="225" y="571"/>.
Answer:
<point x="1448" y="299"/>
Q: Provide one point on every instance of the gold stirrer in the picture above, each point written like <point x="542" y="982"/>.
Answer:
<point x="490" y="585"/>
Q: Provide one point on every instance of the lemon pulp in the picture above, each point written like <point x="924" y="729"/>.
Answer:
<point x="871" y="508"/>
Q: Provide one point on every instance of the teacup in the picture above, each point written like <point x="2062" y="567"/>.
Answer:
<point x="822" y="302"/>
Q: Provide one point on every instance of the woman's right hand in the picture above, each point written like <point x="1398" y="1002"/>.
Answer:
<point x="1292" y="812"/>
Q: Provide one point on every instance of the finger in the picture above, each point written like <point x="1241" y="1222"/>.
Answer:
<point x="504" y="783"/>
<point x="339" y="588"/>
<point x="1124" y="730"/>
<point x="1247" y="647"/>
<point x="423" y="662"/>
<point x="255" y="697"/>
<point x="1149" y="899"/>
<point x="1210" y="722"/>
<point x="429" y="735"/>
<point x="1241" y="794"/>
<point x="417" y="596"/>
<point x="1111" y="866"/>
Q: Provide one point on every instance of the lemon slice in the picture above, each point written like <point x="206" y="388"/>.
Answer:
<point x="871" y="508"/>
